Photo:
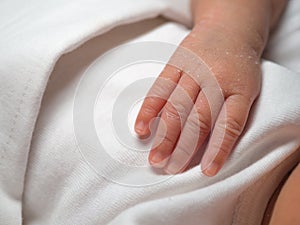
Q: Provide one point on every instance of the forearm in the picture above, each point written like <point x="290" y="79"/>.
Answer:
<point x="249" y="21"/>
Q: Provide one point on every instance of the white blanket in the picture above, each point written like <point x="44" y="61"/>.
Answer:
<point x="45" y="178"/>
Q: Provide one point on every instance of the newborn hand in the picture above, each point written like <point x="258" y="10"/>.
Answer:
<point x="212" y="94"/>
<point x="234" y="68"/>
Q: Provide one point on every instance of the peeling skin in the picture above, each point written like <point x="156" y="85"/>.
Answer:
<point x="218" y="67"/>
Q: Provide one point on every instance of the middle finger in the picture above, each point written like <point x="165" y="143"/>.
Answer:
<point x="173" y="117"/>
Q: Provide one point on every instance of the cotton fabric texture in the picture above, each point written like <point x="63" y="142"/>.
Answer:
<point x="44" y="179"/>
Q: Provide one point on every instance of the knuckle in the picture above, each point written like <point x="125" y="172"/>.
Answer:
<point x="171" y="72"/>
<point x="162" y="87"/>
<point x="177" y="109"/>
<point x="163" y="138"/>
<point x="185" y="152"/>
<point x="244" y="98"/>
<point x="189" y="86"/>
<point x="223" y="153"/>
<point x="204" y="124"/>
<point x="171" y="112"/>
<point x="198" y="121"/>
<point x="149" y="107"/>
<point x="233" y="128"/>
<point x="167" y="139"/>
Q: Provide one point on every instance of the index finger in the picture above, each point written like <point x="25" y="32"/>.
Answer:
<point x="156" y="98"/>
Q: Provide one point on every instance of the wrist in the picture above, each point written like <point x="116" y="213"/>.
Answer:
<point x="247" y="22"/>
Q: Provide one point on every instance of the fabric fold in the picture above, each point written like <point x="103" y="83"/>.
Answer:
<point x="44" y="178"/>
<point x="33" y="37"/>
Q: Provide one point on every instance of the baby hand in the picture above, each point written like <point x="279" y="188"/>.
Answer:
<point x="234" y="68"/>
<point x="216" y="76"/>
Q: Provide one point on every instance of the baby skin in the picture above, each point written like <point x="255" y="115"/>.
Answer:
<point x="228" y="38"/>
<point x="286" y="207"/>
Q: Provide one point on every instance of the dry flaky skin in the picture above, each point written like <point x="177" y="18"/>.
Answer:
<point x="228" y="39"/>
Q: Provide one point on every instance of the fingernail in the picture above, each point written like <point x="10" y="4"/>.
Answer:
<point x="212" y="169"/>
<point x="158" y="160"/>
<point x="140" y="127"/>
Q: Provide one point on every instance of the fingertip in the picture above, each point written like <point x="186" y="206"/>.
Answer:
<point x="158" y="159"/>
<point x="211" y="170"/>
<point x="140" y="128"/>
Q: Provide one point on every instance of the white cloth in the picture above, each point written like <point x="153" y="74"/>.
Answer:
<point x="33" y="36"/>
<point x="60" y="186"/>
